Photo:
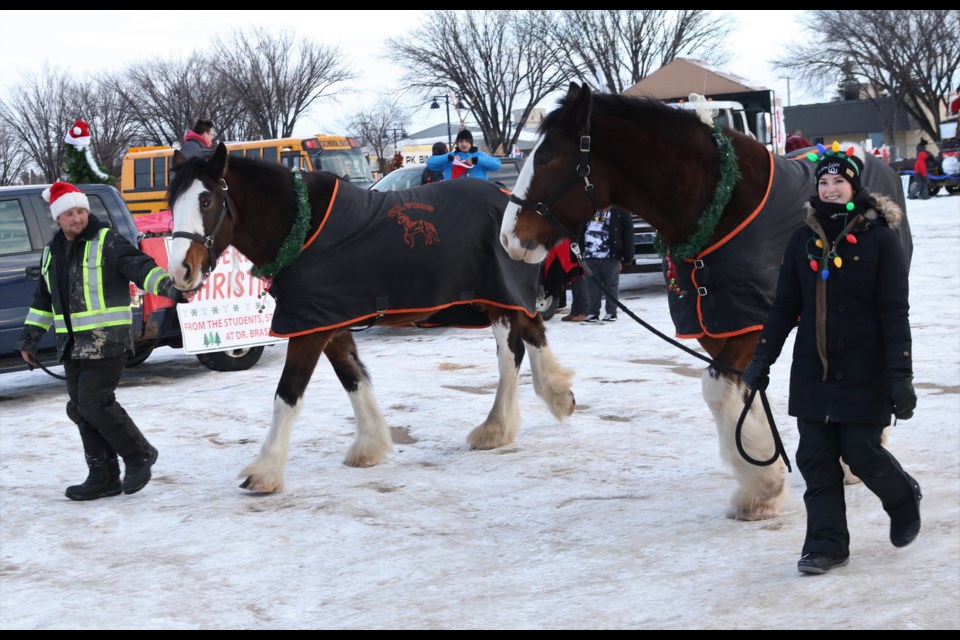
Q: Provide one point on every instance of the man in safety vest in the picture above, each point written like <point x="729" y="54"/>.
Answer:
<point x="84" y="293"/>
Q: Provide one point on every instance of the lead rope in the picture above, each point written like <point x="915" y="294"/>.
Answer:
<point x="779" y="451"/>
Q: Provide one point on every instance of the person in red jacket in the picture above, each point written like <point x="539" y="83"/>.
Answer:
<point x="921" y="169"/>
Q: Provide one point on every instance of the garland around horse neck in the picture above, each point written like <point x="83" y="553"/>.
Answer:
<point x="707" y="224"/>
<point x="293" y="243"/>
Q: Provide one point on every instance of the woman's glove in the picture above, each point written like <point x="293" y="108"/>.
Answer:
<point x="902" y="394"/>
<point x="757" y="374"/>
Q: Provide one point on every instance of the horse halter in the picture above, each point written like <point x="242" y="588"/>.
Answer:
<point x="208" y="240"/>
<point x="581" y="173"/>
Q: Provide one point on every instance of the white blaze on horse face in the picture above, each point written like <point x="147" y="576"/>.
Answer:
<point x="187" y="218"/>
<point x="517" y="249"/>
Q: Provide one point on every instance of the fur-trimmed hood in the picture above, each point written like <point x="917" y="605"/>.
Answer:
<point x="887" y="208"/>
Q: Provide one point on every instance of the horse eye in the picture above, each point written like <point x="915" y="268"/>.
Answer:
<point x="206" y="202"/>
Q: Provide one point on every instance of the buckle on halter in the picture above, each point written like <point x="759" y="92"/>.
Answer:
<point x="701" y="291"/>
<point x="698" y="264"/>
<point x="584" y="144"/>
<point x="208" y="242"/>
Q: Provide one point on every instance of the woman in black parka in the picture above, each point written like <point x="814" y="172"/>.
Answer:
<point x="843" y="284"/>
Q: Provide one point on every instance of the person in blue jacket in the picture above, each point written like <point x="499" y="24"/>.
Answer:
<point x="465" y="161"/>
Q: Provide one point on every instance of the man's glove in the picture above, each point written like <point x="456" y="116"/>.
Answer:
<point x="450" y="157"/>
<point x="473" y="160"/>
<point x="181" y="297"/>
<point x="902" y="393"/>
<point x="757" y="374"/>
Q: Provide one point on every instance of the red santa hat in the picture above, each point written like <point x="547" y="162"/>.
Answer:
<point x="79" y="134"/>
<point x="63" y="196"/>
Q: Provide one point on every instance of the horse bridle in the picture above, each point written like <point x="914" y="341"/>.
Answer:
<point x="581" y="173"/>
<point x="208" y="241"/>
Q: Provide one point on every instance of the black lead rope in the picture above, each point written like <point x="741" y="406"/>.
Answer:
<point x="779" y="451"/>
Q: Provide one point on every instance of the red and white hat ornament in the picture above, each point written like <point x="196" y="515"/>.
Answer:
<point x="79" y="134"/>
<point x="63" y="196"/>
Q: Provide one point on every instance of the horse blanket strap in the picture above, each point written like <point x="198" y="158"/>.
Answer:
<point x="430" y="248"/>
<point x="728" y="288"/>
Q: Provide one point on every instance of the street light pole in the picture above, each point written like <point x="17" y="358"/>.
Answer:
<point x="436" y="105"/>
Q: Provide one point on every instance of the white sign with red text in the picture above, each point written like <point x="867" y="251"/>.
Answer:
<point x="232" y="309"/>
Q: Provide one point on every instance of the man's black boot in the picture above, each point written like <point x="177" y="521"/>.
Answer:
<point x="102" y="481"/>
<point x="138" y="470"/>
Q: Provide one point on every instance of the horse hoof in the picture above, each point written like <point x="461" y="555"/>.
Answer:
<point x="760" y="512"/>
<point x="252" y="486"/>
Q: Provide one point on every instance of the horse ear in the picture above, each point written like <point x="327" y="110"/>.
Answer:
<point x="178" y="159"/>
<point x="577" y="116"/>
<point x="218" y="160"/>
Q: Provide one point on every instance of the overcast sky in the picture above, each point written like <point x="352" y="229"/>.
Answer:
<point x="91" y="41"/>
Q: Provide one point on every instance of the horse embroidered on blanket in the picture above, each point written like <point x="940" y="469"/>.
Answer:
<point x="434" y="247"/>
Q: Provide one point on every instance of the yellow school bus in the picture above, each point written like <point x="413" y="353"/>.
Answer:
<point x="145" y="174"/>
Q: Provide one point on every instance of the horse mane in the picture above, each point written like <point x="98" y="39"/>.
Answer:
<point x="654" y="114"/>
<point x="656" y="155"/>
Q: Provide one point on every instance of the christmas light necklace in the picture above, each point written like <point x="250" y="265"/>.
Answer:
<point x="829" y="253"/>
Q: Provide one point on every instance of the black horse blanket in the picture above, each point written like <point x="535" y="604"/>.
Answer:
<point x="429" y="248"/>
<point x="729" y="287"/>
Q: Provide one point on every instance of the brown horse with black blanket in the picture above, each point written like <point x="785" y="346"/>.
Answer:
<point x="338" y="256"/>
<point x="724" y="208"/>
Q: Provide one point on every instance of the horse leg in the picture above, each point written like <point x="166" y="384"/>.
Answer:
<point x="373" y="437"/>
<point x="762" y="488"/>
<point x="552" y="381"/>
<point x="265" y="474"/>
<point x="503" y="422"/>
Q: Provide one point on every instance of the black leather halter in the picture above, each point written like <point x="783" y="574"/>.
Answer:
<point x="581" y="173"/>
<point x="208" y="240"/>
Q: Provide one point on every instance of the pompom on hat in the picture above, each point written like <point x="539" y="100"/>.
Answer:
<point x="79" y="134"/>
<point x="63" y="196"/>
<point x="847" y="163"/>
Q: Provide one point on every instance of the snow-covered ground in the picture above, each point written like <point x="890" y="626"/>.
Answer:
<point x="613" y="519"/>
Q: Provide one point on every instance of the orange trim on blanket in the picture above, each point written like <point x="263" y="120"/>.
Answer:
<point x="333" y="198"/>
<point x="748" y="219"/>
<point x="347" y="323"/>
<point x="714" y="247"/>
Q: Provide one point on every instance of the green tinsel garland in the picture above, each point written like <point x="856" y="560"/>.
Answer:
<point x="291" y="247"/>
<point x="707" y="224"/>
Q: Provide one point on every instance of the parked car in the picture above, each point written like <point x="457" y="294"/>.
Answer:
<point x="409" y="176"/>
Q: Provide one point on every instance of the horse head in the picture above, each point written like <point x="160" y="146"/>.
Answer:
<point x="540" y="215"/>
<point x="600" y="150"/>
<point x="202" y="219"/>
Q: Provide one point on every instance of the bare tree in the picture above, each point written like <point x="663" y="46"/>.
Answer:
<point x="371" y="127"/>
<point x="13" y="160"/>
<point x="621" y="48"/>
<point x="277" y="78"/>
<point x="38" y="113"/>
<point x="911" y="55"/>
<point x="110" y="118"/>
<point x="493" y="60"/>
<point x="165" y="99"/>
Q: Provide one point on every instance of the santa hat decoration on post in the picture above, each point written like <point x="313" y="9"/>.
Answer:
<point x="63" y="196"/>
<point x="79" y="137"/>
<point x="79" y="134"/>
